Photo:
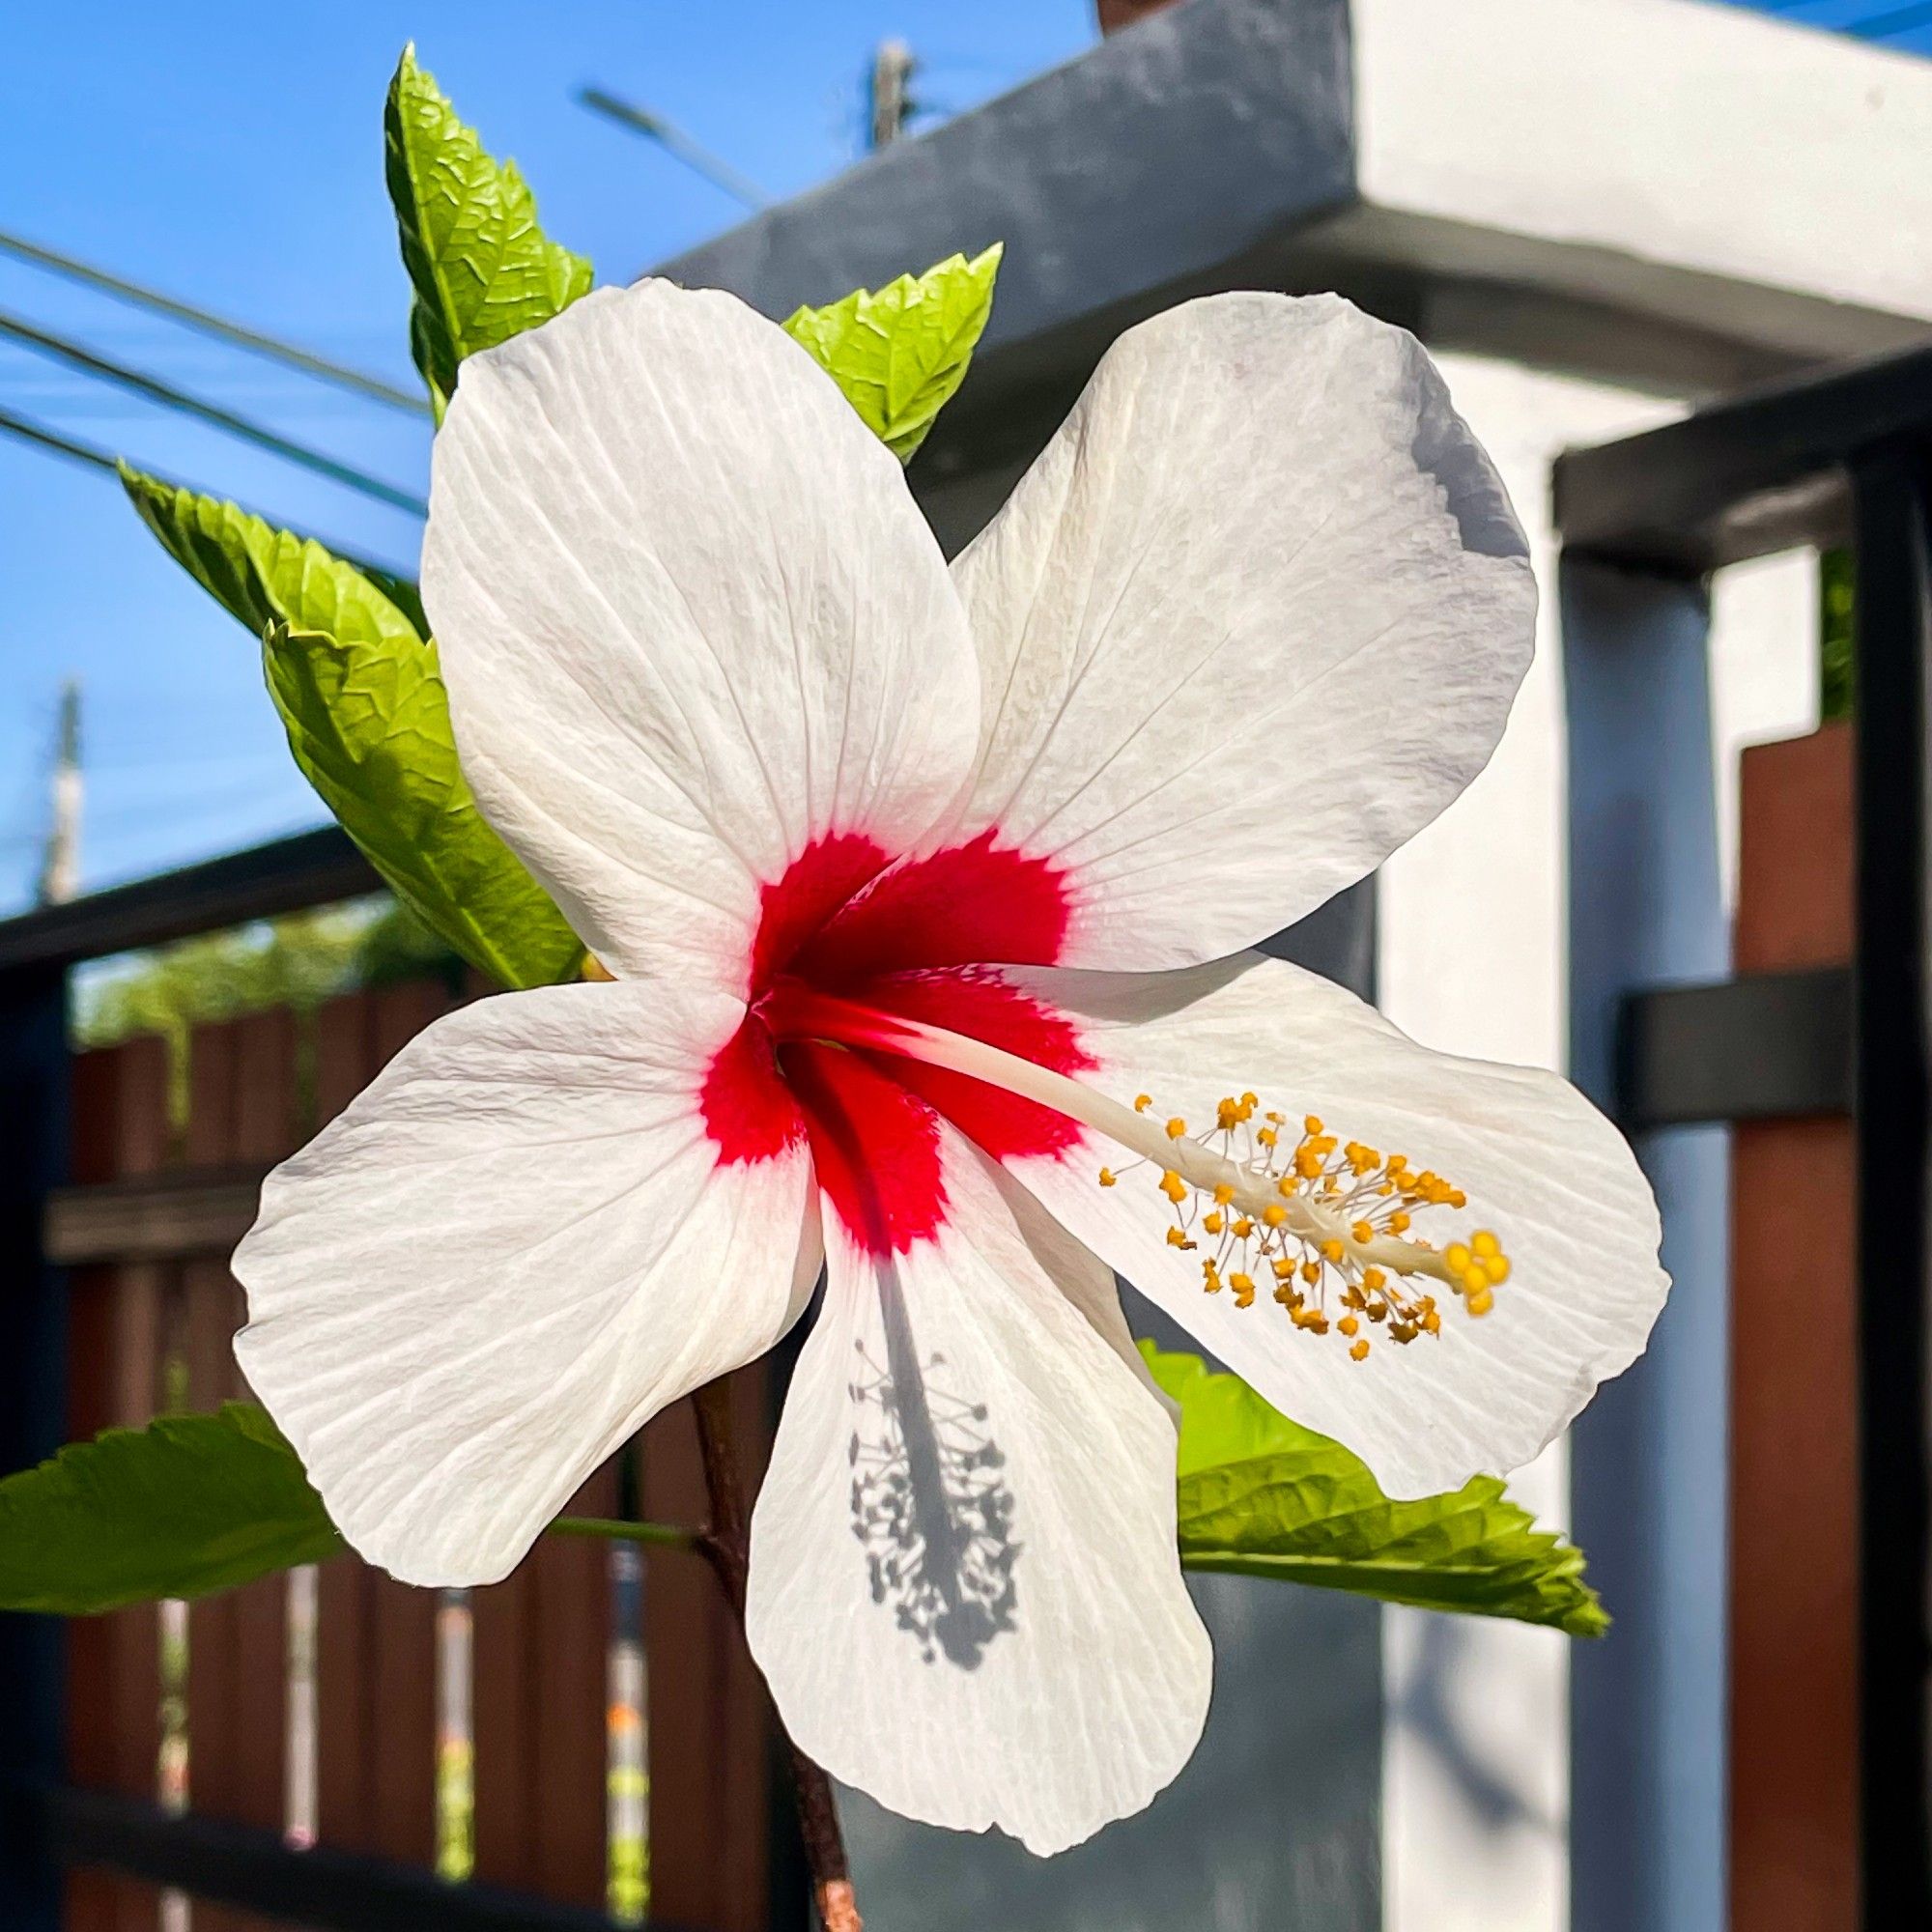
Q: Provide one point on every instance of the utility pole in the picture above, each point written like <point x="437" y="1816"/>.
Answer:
<point x="60" y="872"/>
<point x="888" y="95"/>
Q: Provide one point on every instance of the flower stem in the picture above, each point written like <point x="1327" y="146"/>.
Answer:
<point x="725" y="1544"/>
<point x="612" y="1529"/>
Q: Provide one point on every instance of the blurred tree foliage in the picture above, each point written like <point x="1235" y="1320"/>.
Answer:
<point x="1836" y="664"/>
<point x="296" y="962"/>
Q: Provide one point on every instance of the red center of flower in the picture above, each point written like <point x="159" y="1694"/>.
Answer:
<point x="907" y="940"/>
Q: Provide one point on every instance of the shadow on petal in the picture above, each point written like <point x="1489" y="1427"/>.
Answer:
<point x="930" y="1503"/>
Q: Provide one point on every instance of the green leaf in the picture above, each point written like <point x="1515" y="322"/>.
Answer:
<point x="369" y="726"/>
<point x="401" y="591"/>
<point x="361" y="696"/>
<point x="481" y="267"/>
<point x="1261" y="1496"/>
<point x="189" y="1504"/>
<point x="263" y="576"/>
<point x="1837" y="621"/>
<point x="900" y="354"/>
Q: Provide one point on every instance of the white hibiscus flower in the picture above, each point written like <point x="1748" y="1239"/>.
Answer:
<point x="925" y="891"/>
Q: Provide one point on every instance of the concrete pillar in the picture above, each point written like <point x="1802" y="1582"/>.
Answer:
<point x="1648" y="1458"/>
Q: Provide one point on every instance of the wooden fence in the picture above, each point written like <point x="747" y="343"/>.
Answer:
<point x="144" y="1228"/>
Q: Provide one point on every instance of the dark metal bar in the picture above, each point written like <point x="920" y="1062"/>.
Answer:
<point x="231" y="1864"/>
<point x="310" y="870"/>
<point x="1767" y="1046"/>
<point x="1893" y="1033"/>
<point x="34" y="1140"/>
<point x="1760" y="473"/>
<point x="154" y="1217"/>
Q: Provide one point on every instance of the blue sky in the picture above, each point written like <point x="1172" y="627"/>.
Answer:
<point x="230" y="153"/>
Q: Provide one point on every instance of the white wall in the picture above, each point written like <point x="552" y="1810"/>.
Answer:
<point x="1636" y="142"/>
<point x="1476" y="1746"/>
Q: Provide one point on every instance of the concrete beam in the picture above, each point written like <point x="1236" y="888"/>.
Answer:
<point x="1658" y="192"/>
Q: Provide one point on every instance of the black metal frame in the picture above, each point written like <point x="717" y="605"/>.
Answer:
<point x="1893" y="1031"/>
<point x="1762" y="1046"/>
<point x="34" y="1136"/>
<point x="313" y="868"/>
<point x="320" y="1890"/>
<point x="1845" y="455"/>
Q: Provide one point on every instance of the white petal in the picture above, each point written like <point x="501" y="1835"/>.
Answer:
<point x="1538" y="1164"/>
<point x="980" y="1619"/>
<point x="1254" y="616"/>
<point x="514" y="1247"/>
<point x="1087" y="1282"/>
<point x="688" y="618"/>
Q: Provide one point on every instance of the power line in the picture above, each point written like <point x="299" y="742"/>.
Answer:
<point x="218" y="326"/>
<point x="52" y="439"/>
<point x="97" y="458"/>
<point x="676" y="142"/>
<point x="60" y="349"/>
<point x="1898" y="20"/>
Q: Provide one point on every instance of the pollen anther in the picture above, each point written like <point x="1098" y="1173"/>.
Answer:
<point x="1321" y="1219"/>
<point x="1321" y="1216"/>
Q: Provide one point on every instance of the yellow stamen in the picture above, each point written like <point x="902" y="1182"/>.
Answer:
<point x="1327" y="1215"/>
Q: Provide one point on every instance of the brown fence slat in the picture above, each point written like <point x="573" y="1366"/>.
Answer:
<point x="210" y="1314"/>
<point x="97" y="1901"/>
<point x="1794" y="1472"/>
<point x="570" y="1585"/>
<point x="114" y="1345"/>
<point x="240" y="1089"/>
<point x="264" y="1129"/>
<point x="507" y="1719"/>
<point x="709" y="1738"/>
<point x="402" y="1748"/>
<point x="346" y="1724"/>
